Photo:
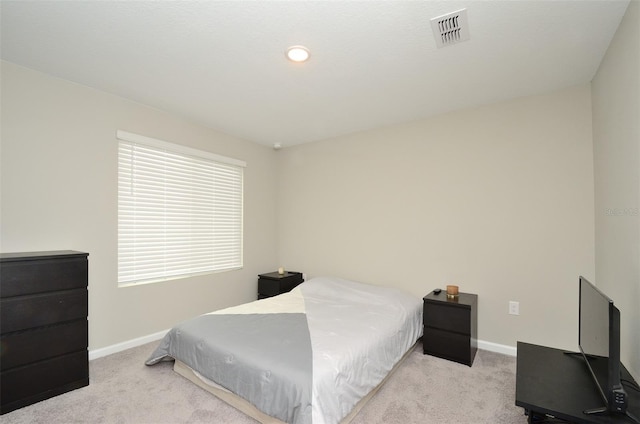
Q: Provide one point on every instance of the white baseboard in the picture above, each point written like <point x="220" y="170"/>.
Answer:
<point x="119" y="347"/>
<point x="498" y="348"/>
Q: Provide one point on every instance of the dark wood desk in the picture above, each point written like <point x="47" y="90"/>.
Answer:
<point x="550" y="382"/>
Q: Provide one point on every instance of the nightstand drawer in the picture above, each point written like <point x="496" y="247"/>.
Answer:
<point x="452" y="346"/>
<point x="446" y="317"/>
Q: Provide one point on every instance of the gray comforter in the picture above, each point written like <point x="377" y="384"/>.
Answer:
<point x="264" y="358"/>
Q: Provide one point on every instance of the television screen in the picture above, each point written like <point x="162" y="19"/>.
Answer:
<point x="594" y="330"/>
<point x="599" y="341"/>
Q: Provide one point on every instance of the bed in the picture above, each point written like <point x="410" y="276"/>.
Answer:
<point x="310" y="356"/>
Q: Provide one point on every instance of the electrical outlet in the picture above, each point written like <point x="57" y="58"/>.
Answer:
<point x="514" y="308"/>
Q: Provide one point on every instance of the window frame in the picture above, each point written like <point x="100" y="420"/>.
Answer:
<point x="229" y="183"/>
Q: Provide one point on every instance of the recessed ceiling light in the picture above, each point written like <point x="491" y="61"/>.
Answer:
<point x="297" y="53"/>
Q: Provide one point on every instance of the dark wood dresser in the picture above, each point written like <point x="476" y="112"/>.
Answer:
<point x="273" y="284"/>
<point x="451" y="326"/>
<point x="43" y="326"/>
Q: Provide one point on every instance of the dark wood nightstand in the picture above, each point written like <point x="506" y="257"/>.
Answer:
<point x="273" y="284"/>
<point x="451" y="326"/>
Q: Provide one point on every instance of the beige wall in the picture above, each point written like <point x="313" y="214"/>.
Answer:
<point x="498" y="200"/>
<point x="59" y="191"/>
<point x="616" y="139"/>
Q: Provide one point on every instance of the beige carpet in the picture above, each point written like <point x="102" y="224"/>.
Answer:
<point x="423" y="390"/>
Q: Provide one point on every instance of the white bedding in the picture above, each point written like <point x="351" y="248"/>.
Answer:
<point x="358" y="333"/>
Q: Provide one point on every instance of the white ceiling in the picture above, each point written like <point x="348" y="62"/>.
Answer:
<point x="373" y="63"/>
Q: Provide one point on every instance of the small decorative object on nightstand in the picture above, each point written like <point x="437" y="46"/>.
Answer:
<point x="451" y="326"/>
<point x="452" y="292"/>
<point x="274" y="283"/>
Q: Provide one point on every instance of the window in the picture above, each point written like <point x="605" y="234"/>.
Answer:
<point x="179" y="211"/>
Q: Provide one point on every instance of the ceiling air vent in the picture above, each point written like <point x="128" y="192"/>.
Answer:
<point x="451" y="28"/>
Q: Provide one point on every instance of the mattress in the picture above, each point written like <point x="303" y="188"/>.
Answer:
<point x="305" y="357"/>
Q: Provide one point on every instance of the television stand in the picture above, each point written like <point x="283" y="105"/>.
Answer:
<point x="550" y="383"/>
<point x="602" y="409"/>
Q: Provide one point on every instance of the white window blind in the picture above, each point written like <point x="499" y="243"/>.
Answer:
<point x="179" y="211"/>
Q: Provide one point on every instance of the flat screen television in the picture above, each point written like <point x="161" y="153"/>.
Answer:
<point x="599" y="341"/>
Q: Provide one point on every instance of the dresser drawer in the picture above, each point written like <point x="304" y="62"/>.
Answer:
<point x="25" y="385"/>
<point x="43" y="275"/>
<point x="23" y="312"/>
<point x="446" y="317"/>
<point x="25" y="347"/>
<point x="452" y="346"/>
